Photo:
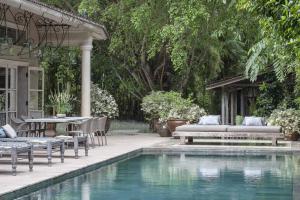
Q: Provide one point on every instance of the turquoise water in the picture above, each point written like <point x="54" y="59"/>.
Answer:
<point x="182" y="177"/>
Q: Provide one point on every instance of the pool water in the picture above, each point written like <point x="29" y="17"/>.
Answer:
<point x="183" y="177"/>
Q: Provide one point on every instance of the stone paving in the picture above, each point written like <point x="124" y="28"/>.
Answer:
<point x="118" y="144"/>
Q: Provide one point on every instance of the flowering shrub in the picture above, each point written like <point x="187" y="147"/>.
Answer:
<point x="170" y="105"/>
<point x="159" y="103"/>
<point x="103" y="103"/>
<point x="288" y="119"/>
<point x="190" y="112"/>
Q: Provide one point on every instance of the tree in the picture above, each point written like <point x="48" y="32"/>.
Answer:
<point x="279" y="46"/>
<point x="175" y="45"/>
<point x="167" y="45"/>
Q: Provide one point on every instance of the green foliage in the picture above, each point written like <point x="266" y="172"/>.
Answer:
<point x="280" y="37"/>
<point x="172" y="45"/>
<point x="288" y="119"/>
<point x="63" y="70"/>
<point x="180" y="45"/>
<point x="170" y="105"/>
<point x="160" y="103"/>
<point x="269" y="97"/>
<point x="297" y="88"/>
<point x="61" y="102"/>
<point x="239" y="120"/>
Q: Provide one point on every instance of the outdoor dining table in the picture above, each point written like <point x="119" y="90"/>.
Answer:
<point x="51" y="130"/>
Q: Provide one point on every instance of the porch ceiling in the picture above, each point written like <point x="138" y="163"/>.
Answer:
<point x="79" y="25"/>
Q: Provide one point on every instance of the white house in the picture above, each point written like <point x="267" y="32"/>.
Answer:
<point x="25" y="27"/>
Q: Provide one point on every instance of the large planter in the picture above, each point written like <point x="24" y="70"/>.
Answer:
<point x="293" y="136"/>
<point x="164" y="132"/>
<point x="173" y="123"/>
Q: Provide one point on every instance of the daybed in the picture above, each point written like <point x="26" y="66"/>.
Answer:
<point x="8" y="134"/>
<point x="14" y="149"/>
<point x="41" y="143"/>
<point x="225" y="131"/>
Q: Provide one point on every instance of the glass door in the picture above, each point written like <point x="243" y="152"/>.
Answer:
<point x="11" y="91"/>
<point x="2" y="95"/>
<point x="8" y="92"/>
<point x="36" y="92"/>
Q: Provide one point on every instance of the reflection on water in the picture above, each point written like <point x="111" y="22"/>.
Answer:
<point x="184" y="177"/>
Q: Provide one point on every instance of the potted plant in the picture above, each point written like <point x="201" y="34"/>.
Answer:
<point x="289" y="120"/>
<point x="183" y="114"/>
<point x="103" y="104"/>
<point x="61" y="103"/>
<point x="158" y="104"/>
<point x="169" y="110"/>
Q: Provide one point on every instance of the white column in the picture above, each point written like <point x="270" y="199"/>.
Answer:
<point x="86" y="49"/>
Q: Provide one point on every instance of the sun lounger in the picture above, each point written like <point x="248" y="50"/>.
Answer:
<point x="14" y="149"/>
<point x="224" y="131"/>
<point x="76" y="140"/>
<point x="42" y="143"/>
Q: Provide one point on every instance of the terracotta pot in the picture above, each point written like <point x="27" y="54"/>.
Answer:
<point x="293" y="136"/>
<point x="107" y="124"/>
<point x="164" y="132"/>
<point x="172" y="124"/>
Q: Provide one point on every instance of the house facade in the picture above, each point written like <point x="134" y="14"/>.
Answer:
<point x="27" y="26"/>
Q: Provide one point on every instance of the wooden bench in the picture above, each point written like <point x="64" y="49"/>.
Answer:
<point x="189" y="136"/>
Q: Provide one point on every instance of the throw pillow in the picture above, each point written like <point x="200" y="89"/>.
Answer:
<point x="2" y="133"/>
<point x="210" y="120"/>
<point x="10" y="132"/>
<point x="253" y="121"/>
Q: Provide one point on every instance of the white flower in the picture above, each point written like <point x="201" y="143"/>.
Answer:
<point x="103" y="103"/>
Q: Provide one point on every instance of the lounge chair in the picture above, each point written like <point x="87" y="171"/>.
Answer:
<point x="39" y="143"/>
<point x="224" y="131"/>
<point x="14" y="149"/>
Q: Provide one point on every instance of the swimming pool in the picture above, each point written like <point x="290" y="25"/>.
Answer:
<point x="178" y="177"/>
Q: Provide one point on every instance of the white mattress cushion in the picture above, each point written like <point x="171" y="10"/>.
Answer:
<point x="202" y="128"/>
<point x="255" y="129"/>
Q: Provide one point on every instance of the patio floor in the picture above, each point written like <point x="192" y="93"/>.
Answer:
<point x="118" y="144"/>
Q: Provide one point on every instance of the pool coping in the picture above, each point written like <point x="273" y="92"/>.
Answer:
<point x="188" y="150"/>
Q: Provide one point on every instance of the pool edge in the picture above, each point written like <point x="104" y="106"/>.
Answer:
<point x="146" y="150"/>
<point x="51" y="181"/>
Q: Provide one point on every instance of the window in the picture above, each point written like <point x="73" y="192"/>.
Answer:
<point x="12" y="35"/>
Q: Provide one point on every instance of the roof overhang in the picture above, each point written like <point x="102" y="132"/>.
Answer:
<point x="95" y="30"/>
<point x="226" y="82"/>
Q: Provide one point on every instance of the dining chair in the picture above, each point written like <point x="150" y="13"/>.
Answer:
<point x="20" y="126"/>
<point x="94" y="128"/>
<point x="32" y="127"/>
<point x="101" y="128"/>
<point x="83" y="128"/>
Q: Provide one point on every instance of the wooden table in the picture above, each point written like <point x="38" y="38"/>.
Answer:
<point x="54" y="120"/>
